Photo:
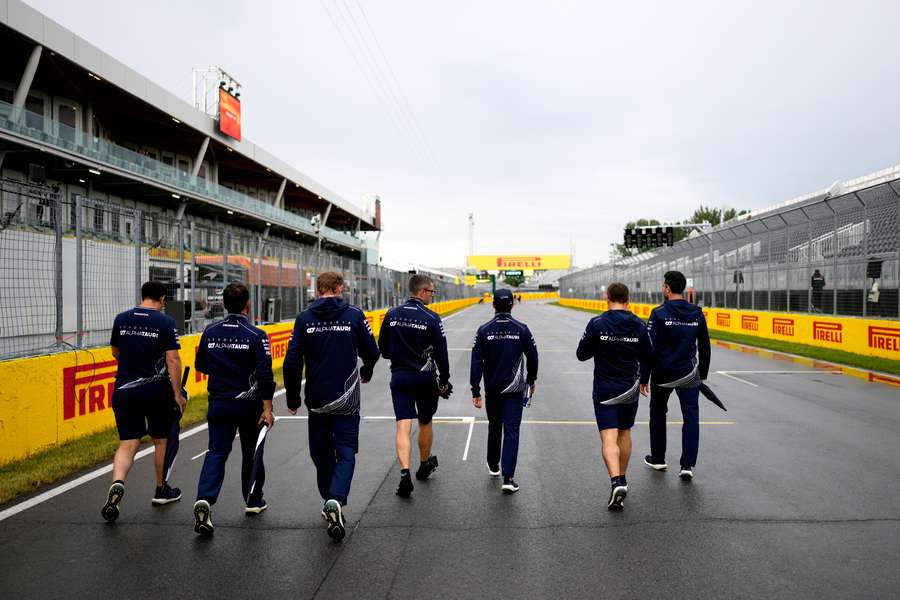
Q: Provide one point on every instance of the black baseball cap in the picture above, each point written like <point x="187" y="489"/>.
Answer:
<point x="503" y="300"/>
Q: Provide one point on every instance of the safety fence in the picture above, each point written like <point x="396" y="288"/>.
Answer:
<point x="68" y="267"/>
<point x="835" y="254"/>
<point x="64" y="396"/>
<point x="867" y="337"/>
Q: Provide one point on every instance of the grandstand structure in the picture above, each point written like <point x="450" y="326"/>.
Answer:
<point x="76" y="117"/>
<point x="107" y="179"/>
<point x="767" y="259"/>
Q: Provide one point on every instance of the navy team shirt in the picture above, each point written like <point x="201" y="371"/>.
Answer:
<point x="412" y="337"/>
<point x="505" y="354"/>
<point x="328" y="339"/>
<point x="236" y="356"/>
<point x="618" y="342"/>
<point x="679" y="336"/>
<point x="143" y="336"/>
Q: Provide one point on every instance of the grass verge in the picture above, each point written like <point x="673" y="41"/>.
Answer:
<point x="51" y="465"/>
<point x="871" y="363"/>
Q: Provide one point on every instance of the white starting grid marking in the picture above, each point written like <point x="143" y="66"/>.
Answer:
<point x="732" y="374"/>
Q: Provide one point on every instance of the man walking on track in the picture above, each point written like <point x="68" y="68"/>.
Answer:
<point x="678" y="334"/>
<point x="412" y="337"/>
<point x="506" y="355"/>
<point x="147" y="396"/>
<point x="236" y="356"/>
<point x="617" y="341"/>
<point x="328" y="338"/>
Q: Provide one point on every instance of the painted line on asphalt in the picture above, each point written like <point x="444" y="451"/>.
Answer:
<point x="69" y="485"/>
<point x="730" y="376"/>
<point x="469" y="439"/>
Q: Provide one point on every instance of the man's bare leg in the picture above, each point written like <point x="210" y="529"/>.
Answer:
<point x="124" y="458"/>
<point x="426" y="438"/>
<point x="616" y="451"/>
<point x="624" y="443"/>
<point x="404" y="442"/>
<point x="159" y="459"/>
<point x="610" y="450"/>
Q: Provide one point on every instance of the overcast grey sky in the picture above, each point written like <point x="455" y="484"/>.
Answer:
<point x="551" y="120"/>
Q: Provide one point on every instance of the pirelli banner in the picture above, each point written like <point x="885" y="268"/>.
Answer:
<point x="52" y="399"/>
<point x="524" y="262"/>
<point x="869" y="337"/>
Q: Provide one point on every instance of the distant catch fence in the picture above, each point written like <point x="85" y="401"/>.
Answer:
<point x="69" y="265"/>
<point x="830" y="254"/>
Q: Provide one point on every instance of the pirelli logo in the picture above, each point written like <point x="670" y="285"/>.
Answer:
<point x="88" y="388"/>
<point x="723" y="319"/>
<point x="828" y="331"/>
<point x="278" y="343"/>
<point x="884" y="338"/>
<point x="781" y="326"/>
<point x="750" y="322"/>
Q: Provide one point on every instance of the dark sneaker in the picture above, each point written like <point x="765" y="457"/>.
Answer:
<point x="686" y="473"/>
<point x="404" y="490"/>
<point x="494" y="470"/>
<point x="656" y="466"/>
<point x="203" y="518"/>
<point x="256" y="506"/>
<point x="335" y="517"/>
<point x="110" y="510"/>
<point x="617" y="495"/>
<point x="165" y="495"/>
<point x="427" y="468"/>
<point x="509" y="486"/>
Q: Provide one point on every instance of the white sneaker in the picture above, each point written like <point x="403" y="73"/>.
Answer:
<point x="686" y="474"/>
<point x="494" y="471"/>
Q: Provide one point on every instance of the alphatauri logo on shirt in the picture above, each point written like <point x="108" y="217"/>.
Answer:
<point x="671" y="322"/>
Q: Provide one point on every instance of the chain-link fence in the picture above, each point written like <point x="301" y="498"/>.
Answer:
<point x="68" y="267"/>
<point x="833" y="255"/>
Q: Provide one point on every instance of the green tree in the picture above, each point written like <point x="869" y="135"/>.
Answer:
<point x="514" y="280"/>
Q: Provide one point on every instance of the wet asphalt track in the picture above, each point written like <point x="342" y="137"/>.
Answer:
<point x="797" y="494"/>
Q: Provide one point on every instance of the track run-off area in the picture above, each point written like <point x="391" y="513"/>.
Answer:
<point x="796" y="494"/>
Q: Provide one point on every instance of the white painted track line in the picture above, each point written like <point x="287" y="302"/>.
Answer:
<point x="730" y="376"/>
<point x="65" y="487"/>
<point x="469" y="438"/>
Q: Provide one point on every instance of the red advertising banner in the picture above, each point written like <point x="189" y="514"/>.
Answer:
<point x="229" y="115"/>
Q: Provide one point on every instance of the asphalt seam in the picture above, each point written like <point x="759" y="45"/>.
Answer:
<point x="409" y="531"/>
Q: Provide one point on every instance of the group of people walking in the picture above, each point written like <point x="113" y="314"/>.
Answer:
<point x="322" y="370"/>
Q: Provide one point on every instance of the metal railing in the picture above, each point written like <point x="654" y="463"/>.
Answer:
<point x="68" y="267"/>
<point x="835" y="255"/>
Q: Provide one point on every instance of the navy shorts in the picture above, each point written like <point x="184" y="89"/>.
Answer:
<point x="615" y="416"/>
<point x="415" y="396"/>
<point x="146" y="409"/>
